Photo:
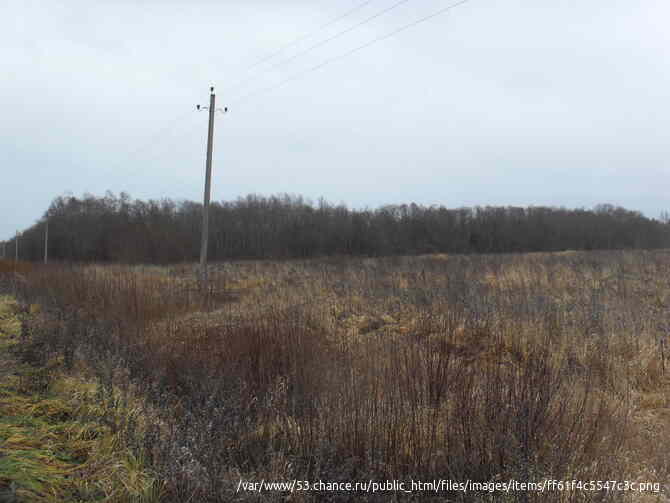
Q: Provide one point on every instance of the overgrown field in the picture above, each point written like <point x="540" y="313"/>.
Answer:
<point x="483" y="368"/>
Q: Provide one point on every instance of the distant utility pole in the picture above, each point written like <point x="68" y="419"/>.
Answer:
<point x="46" y="242"/>
<point x="208" y="184"/>
<point x="16" y="250"/>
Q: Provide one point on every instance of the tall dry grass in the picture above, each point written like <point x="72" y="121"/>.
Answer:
<point x="483" y="368"/>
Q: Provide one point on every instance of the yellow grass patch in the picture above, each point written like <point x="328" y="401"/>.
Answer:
<point x="54" y="447"/>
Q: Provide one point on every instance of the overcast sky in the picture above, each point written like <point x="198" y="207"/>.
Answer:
<point x="507" y="102"/>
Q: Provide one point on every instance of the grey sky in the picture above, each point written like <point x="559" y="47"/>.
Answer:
<point x="512" y="102"/>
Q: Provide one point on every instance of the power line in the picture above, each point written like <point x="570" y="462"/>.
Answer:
<point x="308" y="35"/>
<point x="155" y="138"/>
<point x="298" y="75"/>
<point x="170" y="126"/>
<point x="319" y="44"/>
<point x="150" y="142"/>
<point x="184" y="135"/>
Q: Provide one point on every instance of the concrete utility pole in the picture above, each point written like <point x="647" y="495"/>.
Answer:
<point x="46" y="242"/>
<point x="208" y="187"/>
<point x="208" y="182"/>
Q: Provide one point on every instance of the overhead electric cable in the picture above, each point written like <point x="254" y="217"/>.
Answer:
<point x="318" y="44"/>
<point x="184" y="135"/>
<point x="309" y="34"/>
<point x="327" y="24"/>
<point x="296" y="76"/>
<point x="246" y="97"/>
<point x="153" y="139"/>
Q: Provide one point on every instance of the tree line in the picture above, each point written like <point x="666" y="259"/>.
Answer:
<point x="121" y="229"/>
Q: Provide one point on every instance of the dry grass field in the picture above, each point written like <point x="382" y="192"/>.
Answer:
<point x="487" y="368"/>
